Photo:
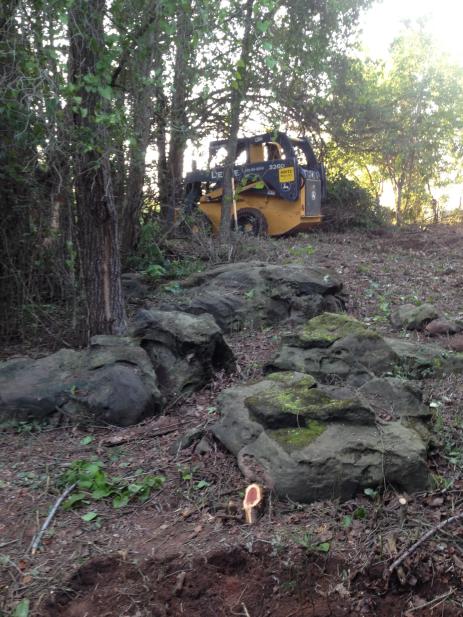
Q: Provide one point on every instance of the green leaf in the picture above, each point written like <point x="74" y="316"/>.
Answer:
<point x="86" y="440"/>
<point x="202" y="484"/>
<point x="101" y="493"/>
<point x="324" y="547"/>
<point x="90" y="516"/>
<point x="134" y="488"/>
<point x="120" y="501"/>
<point x="346" y="521"/>
<point x="267" y="45"/>
<point x="21" y="609"/>
<point x="105" y="91"/>
<point x="369" y="492"/>
<point x="73" y="500"/>
<point x="263" y="26"/>
<point x="360" y="513"/>
<point x="270" y="62"/>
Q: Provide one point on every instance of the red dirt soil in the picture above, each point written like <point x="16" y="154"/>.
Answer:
<point x="226" y="583"/>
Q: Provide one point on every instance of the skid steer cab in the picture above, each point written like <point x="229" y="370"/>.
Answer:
<point x="279" y="185"/>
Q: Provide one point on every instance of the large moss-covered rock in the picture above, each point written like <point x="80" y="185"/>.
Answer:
<point x="335" y="346"/>
<point x="255" y="293"/>
<point x="112" y="381"/>
<point x="292" y="404"/>
<point x="338" y="347"/>
<point x="185" y="350"/>
<point x="308" y="441"/>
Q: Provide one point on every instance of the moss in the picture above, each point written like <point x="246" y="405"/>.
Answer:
<point x="301" y="400"/>
<point x="290" y="378"/>
<point x="298" y="438"/>
<point x="292" y="405"/>
<point x="326" y="329"/>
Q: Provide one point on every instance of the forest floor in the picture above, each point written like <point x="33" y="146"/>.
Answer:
<point x="186" y="550"/>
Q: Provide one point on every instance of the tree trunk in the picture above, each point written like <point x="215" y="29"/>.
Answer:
<point x="398" y="205"/>
<point x="237" y="97"/>
<point x="96" y="211"/>
<point x="178" y="119"/>
<point x="142" y="120"/>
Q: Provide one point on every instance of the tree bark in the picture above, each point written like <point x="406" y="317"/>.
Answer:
<point x="96" y="212"/>
<point x="178" y="119"/>
<point x="171" y="163"/>
<point x="142" y="119"/>
<point x="237" y="96"/>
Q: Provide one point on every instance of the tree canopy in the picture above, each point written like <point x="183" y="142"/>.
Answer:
<point x="99" y="102"/>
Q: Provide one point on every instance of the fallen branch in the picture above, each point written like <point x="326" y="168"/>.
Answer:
<point x="38" y="537"/>
<point x="120" y="438"/>
<point x="423" y="538"/>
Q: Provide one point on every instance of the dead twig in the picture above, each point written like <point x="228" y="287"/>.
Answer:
<point x="118" y="438"/>
<point x="437" y="599"/>
<point x="246" y="612"/>
<point x="423" y="538"/>
<point x="38" y="537"/>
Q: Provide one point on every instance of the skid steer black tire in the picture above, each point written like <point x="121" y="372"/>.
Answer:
<point x="251" y="222"/>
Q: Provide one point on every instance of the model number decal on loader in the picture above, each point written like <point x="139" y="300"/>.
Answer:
<point x="286" y="174"/>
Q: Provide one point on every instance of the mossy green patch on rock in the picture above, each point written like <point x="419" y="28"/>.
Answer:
<point x="297" y="438"/>
<point x="293" y="405"/>
<point x="291" y="378"/>
<point x="326" y="329"/>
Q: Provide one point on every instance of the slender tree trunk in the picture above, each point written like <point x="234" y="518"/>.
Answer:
<point x="119" y="164"/>
<point x="398" y="206"/>
<point x="142" y="120"/>
<point x="237" y="98"/>
<point x="161" y="120"/>
<point x="96" y="211"/>
<point x="178" y="118"/>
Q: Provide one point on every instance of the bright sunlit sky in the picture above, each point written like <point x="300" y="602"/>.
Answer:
<point x="385" y="19"/>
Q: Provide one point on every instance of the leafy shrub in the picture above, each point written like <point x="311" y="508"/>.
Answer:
<point x="147" y="252"/>
<point x="350" y="205"/>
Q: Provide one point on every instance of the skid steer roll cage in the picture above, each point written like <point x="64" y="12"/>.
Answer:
<point x="263" y="170"/>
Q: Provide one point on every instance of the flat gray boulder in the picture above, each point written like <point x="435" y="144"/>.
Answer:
<point x="256" y="293"/>
<point x="308" y="442"/>
<point x="112" y="382"/>
<point x="185" y="350"/>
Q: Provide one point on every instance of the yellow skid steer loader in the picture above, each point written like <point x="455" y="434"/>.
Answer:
<point x="279" y="185"/>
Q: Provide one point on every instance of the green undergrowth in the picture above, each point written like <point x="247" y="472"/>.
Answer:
<point x="93" y="483"/>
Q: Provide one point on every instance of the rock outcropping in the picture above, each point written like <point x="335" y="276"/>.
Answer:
<point x="338" y="347"/>
<point x="256" y="293"/>
<point x="185" y="350"/>
<point x="308" y="442"/>
<point x="112" y="382"/>
<point x="335" y="413"/>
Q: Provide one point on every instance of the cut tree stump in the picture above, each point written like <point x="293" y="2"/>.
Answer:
<point x="253" y="498"/>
